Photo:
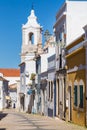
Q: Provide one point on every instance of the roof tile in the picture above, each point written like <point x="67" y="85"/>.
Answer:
<point x="10" y="72"/>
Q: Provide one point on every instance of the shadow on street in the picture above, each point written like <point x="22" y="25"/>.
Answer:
<point x="2" y="129"/>
<point x="2" y="115"/>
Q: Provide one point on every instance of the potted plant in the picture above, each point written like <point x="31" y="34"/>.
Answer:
<point x="32" y="76"/>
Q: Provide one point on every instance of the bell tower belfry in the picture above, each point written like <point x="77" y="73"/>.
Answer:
<point x="31" y="36"/>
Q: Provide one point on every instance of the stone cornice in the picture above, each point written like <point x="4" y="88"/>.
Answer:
<point x="76" y="68"/>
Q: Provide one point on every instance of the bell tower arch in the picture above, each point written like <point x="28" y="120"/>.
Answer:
<point x="31" y="38"/>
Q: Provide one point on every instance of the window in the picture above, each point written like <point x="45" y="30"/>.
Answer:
<point x="81" y="96"/>
<point x="60" y="61"/>
<point x="51" y="90"/>
<point x="75" y="95"/>
<point x="78" y="96"/>
<point x="60" y="36"/>
<point x="22" y="80"/>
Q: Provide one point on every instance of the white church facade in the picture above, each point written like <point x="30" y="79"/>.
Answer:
<point x="31" y="46"/>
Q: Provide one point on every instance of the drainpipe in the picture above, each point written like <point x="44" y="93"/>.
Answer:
<point x="86" y="84"/>
<point x="85" y="45"/>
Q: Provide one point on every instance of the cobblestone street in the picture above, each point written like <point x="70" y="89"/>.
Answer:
<point x="20" y="121"/>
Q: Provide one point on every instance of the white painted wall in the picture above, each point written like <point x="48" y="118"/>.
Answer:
<point x="30" y="67"/>
<point x="72" y="17"/>
<point x="76" y="19"/>
<point x="13" y="96"/>
<point x="1" y="96"/>
<point x="18" y="97"/>
<point x="12" y="80"/>
<point x="44" y="60"/>
<point x="43" y="63"/>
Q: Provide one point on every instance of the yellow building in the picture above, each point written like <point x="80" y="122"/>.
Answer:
<point x="76" y="81"/>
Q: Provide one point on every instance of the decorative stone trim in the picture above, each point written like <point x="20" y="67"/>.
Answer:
<point x="76" y="68"/>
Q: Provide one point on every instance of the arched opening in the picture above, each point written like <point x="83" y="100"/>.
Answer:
<point x="31" y="38"/>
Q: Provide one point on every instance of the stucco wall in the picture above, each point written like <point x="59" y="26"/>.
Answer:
<point x="76" y="19"/>
<point x="76" y="59"/>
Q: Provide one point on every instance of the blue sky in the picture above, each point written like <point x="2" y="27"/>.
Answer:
<point x="14" y="13"/>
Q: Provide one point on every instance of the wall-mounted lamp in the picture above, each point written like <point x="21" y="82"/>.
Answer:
<point x="26" y="74"/>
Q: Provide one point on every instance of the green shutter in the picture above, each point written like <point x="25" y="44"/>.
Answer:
<point x="75" y="96"/>
<point x="81" y="96"/>
<point x="49" y="90"/>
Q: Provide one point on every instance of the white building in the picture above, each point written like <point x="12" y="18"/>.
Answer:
<point x="11" y="75"/>
<point x="48" y="50"/>
<point x="70" y="19"/>
<point x="3" y="92"/>
<point x="31" y="45"/>
<point x="51" y="87"/>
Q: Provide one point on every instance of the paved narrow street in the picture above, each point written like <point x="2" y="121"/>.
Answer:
<point x="11" y="120"/>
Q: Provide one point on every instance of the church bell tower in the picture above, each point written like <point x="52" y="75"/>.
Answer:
<point x="31" y="47"/>
<point x="31" y="36"/>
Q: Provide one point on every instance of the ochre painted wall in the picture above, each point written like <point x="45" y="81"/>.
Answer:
<point x="76" y="59"/>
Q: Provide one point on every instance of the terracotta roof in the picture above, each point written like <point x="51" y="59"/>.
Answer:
<point x="10" y="72"/>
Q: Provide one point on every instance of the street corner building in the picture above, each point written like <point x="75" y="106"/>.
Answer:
<point x="67" y="28"/>
<point x="76" y="80"/>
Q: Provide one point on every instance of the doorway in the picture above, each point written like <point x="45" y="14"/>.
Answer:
<point x="57" y="97"/>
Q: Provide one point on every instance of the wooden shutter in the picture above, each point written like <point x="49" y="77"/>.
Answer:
<point x="81" y="97"/>
<point x="75" y="95"/>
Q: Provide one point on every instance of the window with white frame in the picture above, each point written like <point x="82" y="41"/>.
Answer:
<point x="79" y="95"/>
